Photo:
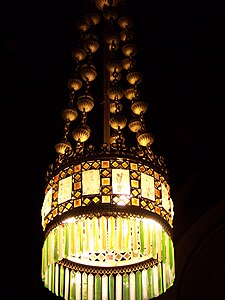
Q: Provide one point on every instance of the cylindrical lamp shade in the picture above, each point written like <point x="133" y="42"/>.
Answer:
<point x="108" y="231"/>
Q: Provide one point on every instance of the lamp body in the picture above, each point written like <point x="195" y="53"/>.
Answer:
<point x="107" y="214"/>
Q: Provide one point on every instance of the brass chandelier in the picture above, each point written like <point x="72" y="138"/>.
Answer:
<point x="107" y="214"/>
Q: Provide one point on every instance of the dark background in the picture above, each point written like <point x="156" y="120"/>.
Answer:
<point x="182" y="59"/>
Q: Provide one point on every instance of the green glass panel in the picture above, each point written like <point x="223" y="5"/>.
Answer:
<point x="95" y="230"/>
<point x="47" y="249"/>
<point x="98" y="288"/>
<point x="119" y="237"/>
<point x="66" y="241"/>
<point x="171" y="254"/>
<point x="113" y="233"/>
<point x="55" y="245"/>
<point x="163" y="247"/>
<point x="125" y="287"/>
<point x="81" y="235"/>
<point x="126" y="234"/>
<point x="154" y="242"/>
<point x="134" y="234"/>
<point x="49" y="278"/>
<point x="142" y="246"/>
<point x="160" y="278"/>
<point x="61" y="242"/>
<point x="77" y="233"/>
<point x="46" y="279"/>
<point x="72" y="292"/>
<point x="84" y="286"/>
<point x="111" y="288"/>
<point x="43" y="260"/>
<point x="151" y="294"/>
<point x="69" y="237"/>
<point x="138" y="285"/>
<point x="111" y="236"/>
<point x="103" y="233"/>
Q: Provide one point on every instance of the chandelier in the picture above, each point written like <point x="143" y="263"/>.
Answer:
<point x="107" y="214"/>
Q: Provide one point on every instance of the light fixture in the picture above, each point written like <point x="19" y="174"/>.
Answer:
<point x="107" y="214"/>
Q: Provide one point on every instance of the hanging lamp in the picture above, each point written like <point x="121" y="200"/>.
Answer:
<point x="107" y="214"/>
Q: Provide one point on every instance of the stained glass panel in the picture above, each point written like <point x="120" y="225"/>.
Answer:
<point x="46" y="208"/>
<point x="91" y="182"/>
<point x="65" y="189"/>
<point x="120" y="181"/>
<point x="147" y="186"/>
<point x="165" y="200"/>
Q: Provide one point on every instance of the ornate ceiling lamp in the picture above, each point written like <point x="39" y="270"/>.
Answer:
<point x="107" y="214"/>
